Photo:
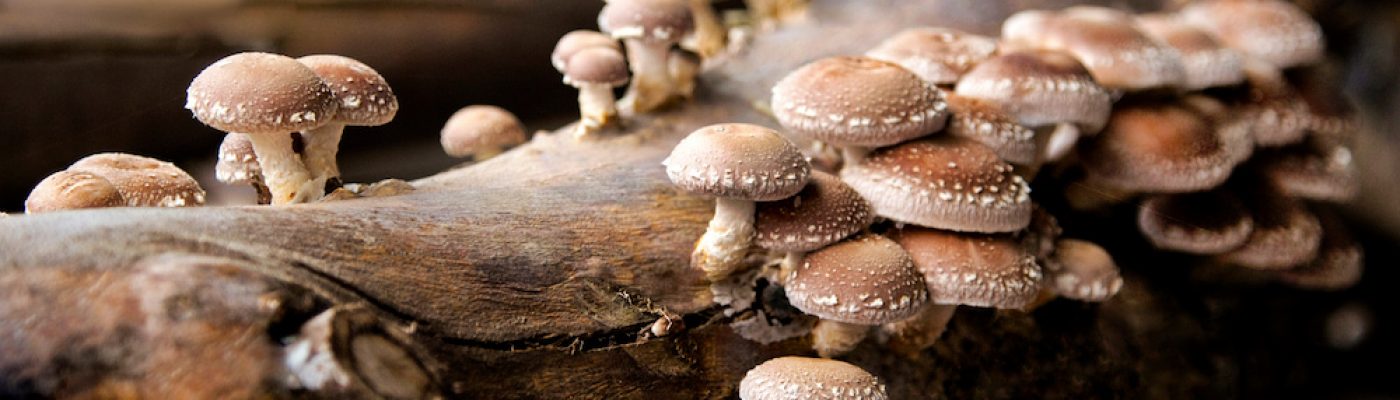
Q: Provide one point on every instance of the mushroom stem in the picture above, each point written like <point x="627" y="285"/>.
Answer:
<point x="283" y="172"/>
<point x="596" y="107"/>
<point x="322" y="144"/>
<point x="726" y="241"/>
<point x="708" y="38"/>
<point x="853" y="154"/>
<point x="651" y="76"/>
<point x="911" y="336"/>
<point x="834" y="338"/>
<point x="789" y="264"/>
<point x="1059" y="142"/>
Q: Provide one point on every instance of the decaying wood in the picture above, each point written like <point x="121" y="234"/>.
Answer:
<point x="532" y="275"/>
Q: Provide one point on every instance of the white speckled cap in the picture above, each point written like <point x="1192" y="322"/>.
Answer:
<point x="866" y="280"/>
<point x="362" y="95"/>
<point x="946" y="183"/>
<point x="1040" y="88"/>
<point x="478" y="127"/>
<point x="71" y="190"/>
<point x="858" y="101"/>
<point x="1084" y="271"/>
<point x="144" y="181"/>
<point x="237" y="164"/>
<point x="575" y="41"/>
<point x="1209" y="222"/>
<point x="998" y="271"/>
<point x="1207" y="63"/>
<point x="647" y="20"/>
<point x="1160" y="148"/>
<point x="987" y="123"/>
<point x="824" y="212"/>
<point x="788" y="378"/>
<point x="260" y="93"/>
<point x="1274" y="31"/>
<point x="939" y="55"/>
<point x="1105" y="40"/>
<point x="738" y="161"/>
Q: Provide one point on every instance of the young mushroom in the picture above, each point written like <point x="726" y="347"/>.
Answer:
<point x="144" y="181"/>
<point x="857" y="103"/>
<point x="269" y="98"/>
<point x="595" y="72"/>
<point x="648" y="28"/>
<point x="824" y="212"/>
<point x="738" y="164"/>
<point x="1083" y="271"/>
<point x="363" y="98"/>
<point x="853" y="285"/>
<point x="938" y="55"/>
<point x="1042" y="89"/>
<point x="787" y="378"/>
<point x="574" y="41"/>
<point x="481" y="131"/>
<point x="72" y="190"/>
<point x="238" y="165"/>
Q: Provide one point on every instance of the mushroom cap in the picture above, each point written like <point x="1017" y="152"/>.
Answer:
<point x="997" y="271"/>
<point x="865" y="280"/>
<point x="1276" y="32"/>
<point x="939" y="55"/>
<point x="1084" y="271"/>
<point x="1286" y="235"/>
<point x="824" y="212"/>
<point x="1333" y="116"/>
<point x="1314" y="170"/>
<point x="71" y="190"/>
<point x="1277" y="113"/>
<point x="144" y="181"/>
<point x="260" y="93"/>
<point x="663" y="21"/>
<point x="596" y="66"/>
<point x="362" y="95"/>
<point x="1105" y="40"/>
<point x="858" y="101"/>
<point x="1160" y="148"/>
<point x="1338" y="264"/>
<point x="1207" y="62"/>
<point x="237" y="164"/>
<point x="946" y="183"/>
<point x="742" y="161"/>
<point x="987" y="123"/>
<point x="1040" y="88"/>
<point x="479" y="127"/>
<point x="1209" y="222"/>
<point x="577" y="40"/>
<point x="809" y="378"/>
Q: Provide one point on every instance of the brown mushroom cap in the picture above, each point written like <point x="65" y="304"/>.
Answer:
<point x="1160" y="148"/>
<point x="71" y="190"/>
<point x="988" y="124"/>
<point x="1210" y="222"/>
<point x="1278" y="114"/>
<point x="144" y="181"/>
<point x="480" y="127"/>
<point x="1105" y="40"/>
<point x="738" y="161"/>
<point x="1285" y="235"/>
<point x="866" y="280"/>
<point x="1040" y="88"/>
<point x="1333" y="116"/>
<point x="260" y="93"/>
<point x="1207" y="62"/>
<point x="809" y="378"/>
<point x="1338" y="264"/>
<point x="1277" y="32"/>
<point x="363" y="97"/>
<point x="647" y="20"/>
<point x="998" y="271"/>
<point x="944" y="182"/>
<point x="596" y="66"/>
<point x="857" y="101"/>
<point x="237" y="164"/>
<point x="1084" y="271"/>
<point x="939" y="55"/>
<point x="824" y="212"/>
<point x="575" y="41"/>
<point x="1313" y="170"/>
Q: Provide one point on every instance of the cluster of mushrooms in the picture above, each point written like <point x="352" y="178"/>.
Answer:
<point x="1210" y="118"/>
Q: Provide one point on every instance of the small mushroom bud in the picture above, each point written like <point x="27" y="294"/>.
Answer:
<point x="595" y="72"/>
<point x="144" y="181"/>
<point x="363" y="98"/>
<point x="862" y="282"/>
<point x="1083" y="271"/>
<point x="856" y="103"/>
<point x="481" y="131"/>
<point x="238" y="165"/>
<point x="1042" y="89"/>
<point x="938" y="55"/>
<point x="809" y="378"/>
<point x="1274" y="31"/>
<point x="648" y="28"/>
<point x="738" y="164"/>
<point x="573" y="42"/>
<point x="72" y="190"/>
<point x="268" y="97"/>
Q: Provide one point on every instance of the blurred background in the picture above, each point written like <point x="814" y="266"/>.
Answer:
<point x="79" y="77"/>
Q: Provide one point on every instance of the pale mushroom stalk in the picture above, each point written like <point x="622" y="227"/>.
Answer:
<point x="651" y="76"/>
<point x="834" y="338"/>
<point x="284" y="173"/>
<point x="708" y="39"/>
<point x="853" y="154"/>
<point x="322" y="145"/>
<point x="726" y="240"/>
<point x="1060" y="141"/>
<point x="913" y="335"/>
<point x="597" y="106"/>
